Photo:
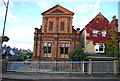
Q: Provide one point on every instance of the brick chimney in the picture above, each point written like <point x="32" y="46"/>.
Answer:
<point x="115" y="23"/>
<point x="78" y="30"/>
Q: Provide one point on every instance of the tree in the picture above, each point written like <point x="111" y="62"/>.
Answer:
<point x="29" y="54"/>
<point x="25" y="54"/>
<point x="77" y="54"/>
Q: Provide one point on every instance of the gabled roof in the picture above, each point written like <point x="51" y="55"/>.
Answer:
<point x="58" y="9"/>
<point x="98" y="16"/>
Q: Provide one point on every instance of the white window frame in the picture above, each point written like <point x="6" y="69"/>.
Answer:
<point x="98" y="46"/>
<point x="94" y="32"/>
<point x="103" y="33"/>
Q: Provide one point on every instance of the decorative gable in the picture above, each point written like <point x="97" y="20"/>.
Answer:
<point x="101" y="25"/>
<point x="58" y="10"/>
<point x="57" y="20"/>
<point x="98" y="23"/>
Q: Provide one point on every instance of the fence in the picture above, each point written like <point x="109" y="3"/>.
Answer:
<point x="66" y="67"/>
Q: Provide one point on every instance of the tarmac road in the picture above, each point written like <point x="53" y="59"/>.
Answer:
<point x="64" y="80"/>
<point x="16" y="76"/>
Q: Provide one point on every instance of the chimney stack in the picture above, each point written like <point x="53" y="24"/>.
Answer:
<point x="114" y="17"/>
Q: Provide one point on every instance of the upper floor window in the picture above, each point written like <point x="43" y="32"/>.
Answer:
<point x="50" y="25"/>
<point x="94" y="33"/>
<point x="103" y="33"/>
<point x="62" y="24"/>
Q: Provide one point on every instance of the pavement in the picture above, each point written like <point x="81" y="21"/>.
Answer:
<point x="38" y="76"/>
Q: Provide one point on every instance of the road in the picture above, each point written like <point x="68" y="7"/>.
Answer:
<point x="64" y="80"/>
<point x="16" y="76"/>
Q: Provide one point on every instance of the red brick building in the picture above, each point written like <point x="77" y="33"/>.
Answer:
<point x="56" y="37"/>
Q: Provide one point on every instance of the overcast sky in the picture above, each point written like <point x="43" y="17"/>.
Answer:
<point x="25" y="15"/>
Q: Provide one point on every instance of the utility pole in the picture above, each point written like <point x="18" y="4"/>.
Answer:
<point x="4" y="38"/>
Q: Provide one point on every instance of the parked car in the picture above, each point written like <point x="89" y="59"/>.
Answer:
<point x="28" y="60"/>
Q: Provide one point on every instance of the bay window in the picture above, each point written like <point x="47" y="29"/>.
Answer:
<point x="99" y="48"/>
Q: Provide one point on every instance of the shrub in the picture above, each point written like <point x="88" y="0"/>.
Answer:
<point x="77" y="54"/>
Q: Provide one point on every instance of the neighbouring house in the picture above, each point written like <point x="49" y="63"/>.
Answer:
<point x="99" y="38"/>
<point x="14" y="53"/>
<point x="57" y="37"/>
<point x="119" y="41"/>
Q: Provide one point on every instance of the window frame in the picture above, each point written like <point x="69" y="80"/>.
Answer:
<point x="64" y="48"/>
<point x="99" y="48"/>
<point x="47" y="48"/>
<point x="103" y="33"/>
<point x="94" y="33"/>
<point x="51" y="24"/>
<point x="62" y="26"/>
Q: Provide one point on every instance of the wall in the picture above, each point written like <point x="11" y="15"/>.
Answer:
<point x="89" y="47"/>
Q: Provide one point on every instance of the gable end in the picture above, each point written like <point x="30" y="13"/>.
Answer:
<point x="57" y="11"/>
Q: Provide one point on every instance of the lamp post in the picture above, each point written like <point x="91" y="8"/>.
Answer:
<point x="4" y="38"/>
<point x="6" y="5"/>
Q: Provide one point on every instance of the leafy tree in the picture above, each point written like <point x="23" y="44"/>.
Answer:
<point x="21" y="54"/>
<point x="112" y="45"/>
<point x="28" y="54"/>
<point x="25" y="54"/>
<point x="77" y="54"/>
<point x="7" y="52"/>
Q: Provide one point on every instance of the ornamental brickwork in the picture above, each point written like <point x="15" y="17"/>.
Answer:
<point x="56" y="38"/>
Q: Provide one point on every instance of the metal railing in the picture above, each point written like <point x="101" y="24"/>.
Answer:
<point x="66" y="67"/>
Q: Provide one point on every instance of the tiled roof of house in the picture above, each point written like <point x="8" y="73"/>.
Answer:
<point x="101" y="56"/>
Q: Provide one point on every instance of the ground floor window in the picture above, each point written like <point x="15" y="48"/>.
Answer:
<point x="99" y="48"/>
<point x="47" y="47"/>
<point x="64" y="47"/>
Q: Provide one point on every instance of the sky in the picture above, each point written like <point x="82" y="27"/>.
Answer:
<point x="25" y="15"/>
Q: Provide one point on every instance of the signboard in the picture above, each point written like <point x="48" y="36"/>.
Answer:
<point x="64" y="45"/>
